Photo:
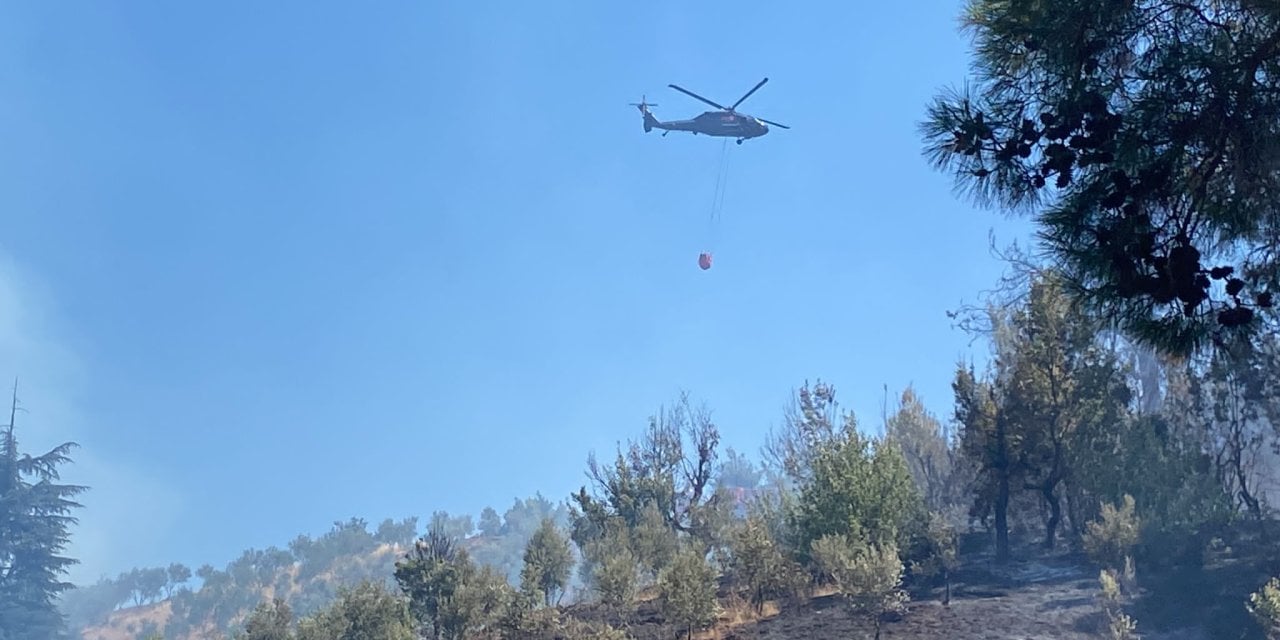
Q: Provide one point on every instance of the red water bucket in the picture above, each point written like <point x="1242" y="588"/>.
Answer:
<point x="704" y="260"/>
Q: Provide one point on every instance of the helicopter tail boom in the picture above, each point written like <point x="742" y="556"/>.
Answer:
<point x="650" y="122"/>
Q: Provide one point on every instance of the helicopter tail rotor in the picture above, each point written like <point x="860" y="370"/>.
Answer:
<point x="649" y="120"/>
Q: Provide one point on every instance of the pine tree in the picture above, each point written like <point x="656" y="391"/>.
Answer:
<point x="34" y="530"/>
<point x="1142" y="136"/>
<point x="430" y="574"/>
<point x="547" y="563"/>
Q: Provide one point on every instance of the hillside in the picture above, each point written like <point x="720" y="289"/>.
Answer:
<point x="1037" y="597"/>
<point x="307" y="574"/>
<point x="286" y="583"/>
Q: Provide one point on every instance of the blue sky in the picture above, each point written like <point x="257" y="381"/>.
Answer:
<point x="278" y="264"/>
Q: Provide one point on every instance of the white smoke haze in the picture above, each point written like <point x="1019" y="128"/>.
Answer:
<point x="126" y="514"/>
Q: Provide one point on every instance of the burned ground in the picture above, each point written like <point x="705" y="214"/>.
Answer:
<point x="1037" y="596"/>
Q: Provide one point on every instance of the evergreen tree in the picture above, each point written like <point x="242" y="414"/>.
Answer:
<point x="927" y="449"/>
<point x="490" y="523"/>
<point x="430" y="575"/>
<point x="34" y="530"/>
<point x="986" y="440"/>
<point x="757" y="562"/>
<point x="1063" y="389"/>
<point x="547" y="562"/>
<point x="858" y="486"/>
<point x="1143" y="137"/>
<point x="1050" y="410"/>
<point x="613" y="569"/>
<point x="367" y="612"/>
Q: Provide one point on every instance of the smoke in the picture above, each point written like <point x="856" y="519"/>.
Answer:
<point x="126" y="513"/>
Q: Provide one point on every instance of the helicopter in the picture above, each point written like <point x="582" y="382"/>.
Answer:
<point x="725" y="123"/>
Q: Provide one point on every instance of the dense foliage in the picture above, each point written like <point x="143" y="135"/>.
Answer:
<point x="1145" y="137"/>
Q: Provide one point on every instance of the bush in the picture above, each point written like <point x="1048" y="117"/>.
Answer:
<point x="268" y="621"/>
<point x="858" y="486"/>
<point x="1119" y="625"/>
<point x="1109" y="541"/>
<point x="552" y="624"/>
<point x="614" y="575"/>
<point x="938" y="553"/>
<point x="756" y="562"/>
<point x="368" y="611"/>
<point x="653" y="541"/>
<point x="1264" y="606"/>
<point x="687" y="591"/>
<point x="868" y="575"/>
<point x="547" y="563"/>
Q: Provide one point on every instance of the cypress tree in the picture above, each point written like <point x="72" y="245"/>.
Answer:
<point x="34" y="530"/>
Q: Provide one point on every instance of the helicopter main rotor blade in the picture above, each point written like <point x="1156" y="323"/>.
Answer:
<point x="748" y="94"/>
<point x="694" y="95"/>
<point x="770" y="122"/>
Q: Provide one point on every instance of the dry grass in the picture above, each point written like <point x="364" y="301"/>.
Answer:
<point x="125" y="624"/>
<point x="736" y="614"/>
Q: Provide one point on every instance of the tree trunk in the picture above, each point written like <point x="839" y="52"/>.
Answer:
<point x="1055" y="516"/>
<point x="946" y="593"/>
<point x="1002" y="520"/>
<point x="1251" y="503"/>
<point x="1073" y="511"/>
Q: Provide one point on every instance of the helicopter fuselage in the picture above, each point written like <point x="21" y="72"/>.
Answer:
<point x="720" y="124"/>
